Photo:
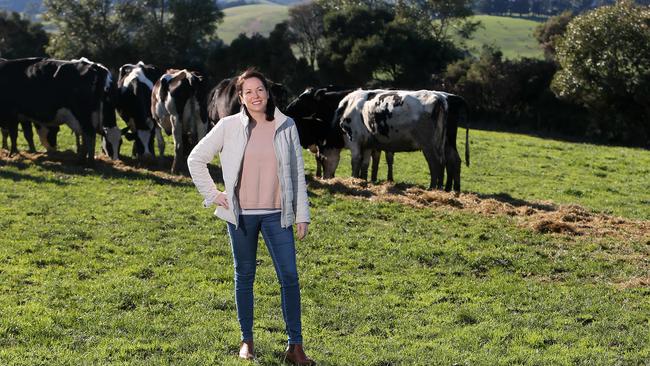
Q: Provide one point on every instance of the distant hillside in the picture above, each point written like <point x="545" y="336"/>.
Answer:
<point x="514" y="36"/>
<point x="232" y="3"/>
<point x="250" y="19"/>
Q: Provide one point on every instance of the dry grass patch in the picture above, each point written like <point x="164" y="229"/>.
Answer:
<point x="543" y="216"/>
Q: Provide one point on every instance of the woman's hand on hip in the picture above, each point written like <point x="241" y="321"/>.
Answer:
<point x="301" y="229"/>
<point x="221" y="200"/>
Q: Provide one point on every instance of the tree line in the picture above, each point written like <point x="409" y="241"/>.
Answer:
<point x="593" y="82"/>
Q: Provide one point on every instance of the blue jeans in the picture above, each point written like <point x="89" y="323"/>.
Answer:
<point x="282" y="249"/>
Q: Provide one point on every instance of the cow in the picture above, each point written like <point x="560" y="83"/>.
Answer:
<point x="223" y="99"/>
<point x="178" y="106"/>
<point x="389" y="120"/>
<point x="79" y="93"/>
<point x="313" y="111"/>
<point x="134" y="85"/>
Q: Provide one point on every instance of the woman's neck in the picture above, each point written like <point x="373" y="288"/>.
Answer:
<point x="257" y="116"/>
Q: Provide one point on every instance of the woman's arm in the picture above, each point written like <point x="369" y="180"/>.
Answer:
<point x="197" y="163"/>
<point x="302" y="200"/>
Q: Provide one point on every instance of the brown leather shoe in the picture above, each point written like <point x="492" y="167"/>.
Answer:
<point x="296" y="355"/>
<point x="246" y="350"/>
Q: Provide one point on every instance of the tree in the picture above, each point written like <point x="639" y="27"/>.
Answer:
<point x="306" y="25"/>
<point x="343" y="29"/>
<point x="436" y="17"/>
<point x="548" y="33"/>
<point x="20" y="37"/>
<point x="605" y="65"/>
<point x="173" y="32"/>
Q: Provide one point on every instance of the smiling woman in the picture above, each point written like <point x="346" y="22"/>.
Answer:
<point x="261" y="160"/>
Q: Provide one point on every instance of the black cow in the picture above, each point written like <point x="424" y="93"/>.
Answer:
<point x="313" y="111"/>
<point x="223" y="100"/>
<point x="134" y="86"/>
<point x="79" y="93"/>
<point x="178" y="106"/>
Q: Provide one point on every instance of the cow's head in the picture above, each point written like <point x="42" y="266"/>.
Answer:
<point x="329" y="157"/>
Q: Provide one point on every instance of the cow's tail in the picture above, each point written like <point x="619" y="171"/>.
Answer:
<point x="465" y="119"/>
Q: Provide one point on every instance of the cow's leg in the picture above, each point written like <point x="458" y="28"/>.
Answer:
<point x="319" y="166"/>
<point x="390" y="157"/>
<point x="5" y="136"/>
<point x="356" y="160"/>
<point x="177" y="132"/>
<point x="160" y="141"/>
<point x="365" y="162"/>
<point x="87" y="150"/>
<point x="29" y="135"/>
<point x="434" y="166"/>
<point x="47" y="136"/>
<point x="13" y="136"/>
<point x="375" y="156"/>
<point x="453" y="166"/>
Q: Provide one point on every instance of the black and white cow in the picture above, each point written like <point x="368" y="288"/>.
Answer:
<point x="389" y="120"/>
<point x="134" y="86"/>
<point x="178" y="106"/>
<point x="79" y="93"/>
<point x="313" y="111"/>
<point x="223" y="100"/>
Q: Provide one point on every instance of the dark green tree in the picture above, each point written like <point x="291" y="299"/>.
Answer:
<point x="21" y="38"/>
<point x="173" y="32"/>
<point x="548" y="33"/>
<point x="605" y="65"/>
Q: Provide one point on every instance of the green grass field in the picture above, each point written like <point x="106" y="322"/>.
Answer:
<point x="116" y="266"/>
<point x="250" y="19"/>
<point x="513" y="36"/>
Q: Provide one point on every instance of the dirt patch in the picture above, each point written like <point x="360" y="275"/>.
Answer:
<point x="634" y="282"/>
<point x="541" y="216"/>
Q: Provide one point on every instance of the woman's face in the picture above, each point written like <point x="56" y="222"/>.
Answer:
<point x="254" y="95"/>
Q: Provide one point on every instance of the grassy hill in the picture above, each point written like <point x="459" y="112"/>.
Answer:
<point x="121" y="265"/>
<point x="250" y="19"/>
<point x="513" y="36"/>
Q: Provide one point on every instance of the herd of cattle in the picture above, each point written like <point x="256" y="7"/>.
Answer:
<point x="84" y="95"/>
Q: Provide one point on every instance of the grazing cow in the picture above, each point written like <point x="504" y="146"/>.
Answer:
<point x="389" y="120"/>
<point x="178" y="106"/>
<point x="313" y="111"/>
<point x="134" y="86"/>
<point x="79" y="93"/>
<point x="223" y="100"/>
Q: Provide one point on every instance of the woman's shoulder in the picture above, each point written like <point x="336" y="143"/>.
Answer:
<point x="230" y="121"/>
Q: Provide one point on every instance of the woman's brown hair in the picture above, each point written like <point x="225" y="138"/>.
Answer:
<point x="253" y="73"/>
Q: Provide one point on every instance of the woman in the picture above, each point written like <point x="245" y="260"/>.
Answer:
<point x="263" y="173"/>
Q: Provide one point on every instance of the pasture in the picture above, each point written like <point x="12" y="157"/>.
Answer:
<point x="121" y="265"/>
<point x="251" y="19"/>
<point x="512" y="35"/>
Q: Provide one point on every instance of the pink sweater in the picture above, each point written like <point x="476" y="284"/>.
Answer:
<point x="259" y="187"/>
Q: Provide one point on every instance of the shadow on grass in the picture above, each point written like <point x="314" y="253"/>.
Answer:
<point x="17" y="177"/>
<point x="67" y="162"/>
<point x="517" y="202"/>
